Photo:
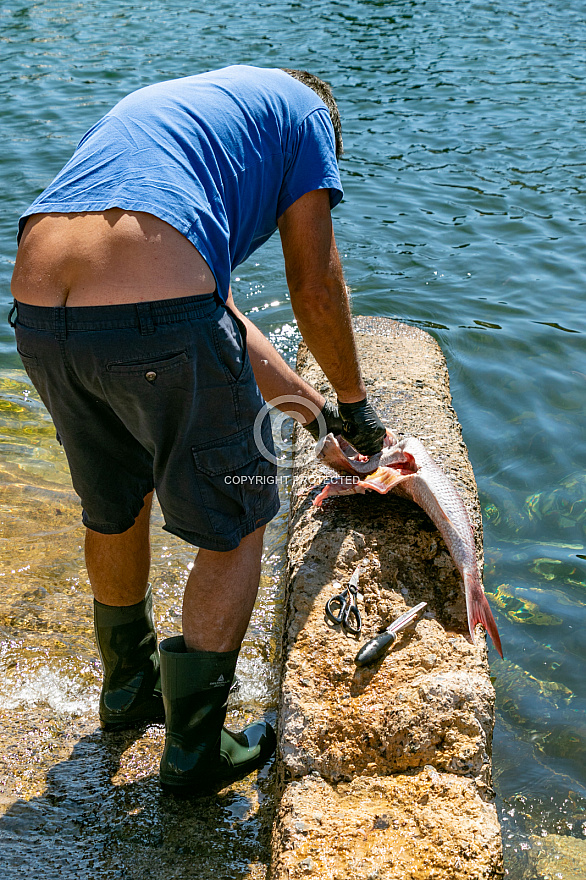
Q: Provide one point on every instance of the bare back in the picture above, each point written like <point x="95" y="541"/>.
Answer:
<point x="106" y="258"/>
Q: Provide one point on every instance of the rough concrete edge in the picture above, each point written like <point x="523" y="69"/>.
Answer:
<point x="289" y="789"/>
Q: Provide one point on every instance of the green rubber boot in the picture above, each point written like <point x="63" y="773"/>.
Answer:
<point x="127" y="642"/>
<point x="200" y="755"/>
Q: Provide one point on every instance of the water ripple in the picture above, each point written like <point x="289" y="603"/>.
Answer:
<point x="464" y="212"/>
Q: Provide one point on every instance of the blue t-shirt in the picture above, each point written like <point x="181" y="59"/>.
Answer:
<point x="219" y="156"/>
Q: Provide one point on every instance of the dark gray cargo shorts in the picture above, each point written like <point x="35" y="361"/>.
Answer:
<point x="155" y="395"/>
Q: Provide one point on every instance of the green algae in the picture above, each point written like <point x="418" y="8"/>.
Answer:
<point x="521" y="610"/>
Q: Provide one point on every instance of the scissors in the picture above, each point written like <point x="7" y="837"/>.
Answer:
<point x="343" y="608"/>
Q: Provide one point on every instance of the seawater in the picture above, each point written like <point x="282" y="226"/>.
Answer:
<point x="465" y="214"/>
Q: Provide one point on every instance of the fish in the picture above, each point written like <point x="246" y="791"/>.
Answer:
<point x="405" y="468"/>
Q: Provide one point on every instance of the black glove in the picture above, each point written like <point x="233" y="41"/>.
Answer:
<point x="362" y="427"/>
<point x="332" y="420"/>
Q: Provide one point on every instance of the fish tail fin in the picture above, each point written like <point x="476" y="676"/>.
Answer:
<point x="479" y="610"/>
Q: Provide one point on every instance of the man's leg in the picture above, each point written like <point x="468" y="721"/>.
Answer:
<point x="118" y="568"/>
<point x="118" y="565"/>
<point x="220" y="595"/>
<point x="220" y="591"/>
<point x="198" y="670"/>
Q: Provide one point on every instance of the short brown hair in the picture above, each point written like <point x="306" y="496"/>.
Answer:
<point x="324" y="91"/>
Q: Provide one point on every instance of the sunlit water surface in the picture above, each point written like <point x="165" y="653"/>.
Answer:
<point x="464" y="213"/>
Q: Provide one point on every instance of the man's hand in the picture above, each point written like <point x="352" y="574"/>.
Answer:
<point x="362" y="427"/>
<point x="332" y="419"/>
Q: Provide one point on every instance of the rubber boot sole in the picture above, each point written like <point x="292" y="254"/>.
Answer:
<point x="115" y="726"/>
<point x="155" y="716"/>
<point x="205" y="788"/>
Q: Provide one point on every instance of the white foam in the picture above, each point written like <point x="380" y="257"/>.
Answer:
<point x="257" y="680"/>
<point x="47" y="687"/>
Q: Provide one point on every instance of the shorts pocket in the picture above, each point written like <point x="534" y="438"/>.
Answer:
<point x="149" y="367"/>
<point x="237" y="484"/>
<point x="27" y="359"/>
<point x="229" y="334"/>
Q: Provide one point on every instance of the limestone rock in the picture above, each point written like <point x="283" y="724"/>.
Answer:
<point x="555" y="857"/>
<point x="355" y="742"/>
<point x="406" y="827"/>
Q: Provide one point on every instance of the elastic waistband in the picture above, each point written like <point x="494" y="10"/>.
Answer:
<point x="143" y="315"/>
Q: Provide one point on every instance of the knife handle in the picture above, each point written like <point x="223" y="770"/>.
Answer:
<point x="375" y="648"/>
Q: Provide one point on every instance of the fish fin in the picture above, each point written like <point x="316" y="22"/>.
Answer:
<point x="342" y="486"/>
<point x="383" y="480"/>
<point x="479" y="612"/>
<point x="319" y="499"/>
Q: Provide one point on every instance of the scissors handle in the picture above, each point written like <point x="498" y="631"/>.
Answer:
<point x="335" y="608"/>
<point x="352" y="613"/>
<point x="343" y="609"/>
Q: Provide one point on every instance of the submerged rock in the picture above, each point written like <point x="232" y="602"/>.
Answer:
<point x="555" y="857"/>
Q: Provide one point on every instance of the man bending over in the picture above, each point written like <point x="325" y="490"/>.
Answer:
<point x="126" y="326"/>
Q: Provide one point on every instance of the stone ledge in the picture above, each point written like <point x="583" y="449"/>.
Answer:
<point x="429" y="702"/>
<point x="408" y="827"/>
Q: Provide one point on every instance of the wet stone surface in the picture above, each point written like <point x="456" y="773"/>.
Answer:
<point x="77" y="803"/>
<point x="555" y="855"/>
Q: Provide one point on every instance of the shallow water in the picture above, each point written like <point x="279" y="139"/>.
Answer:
<point x="464" y="213"/>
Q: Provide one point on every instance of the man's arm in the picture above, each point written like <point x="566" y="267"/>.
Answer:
<point x="320" y="303"/>
<point x="318" y="292"/>
<point x="274" y="377"/>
